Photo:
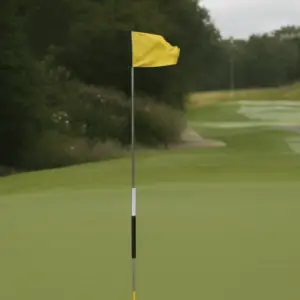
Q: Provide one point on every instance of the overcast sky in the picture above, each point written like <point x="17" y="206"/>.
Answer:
<point x="240" y="18"/>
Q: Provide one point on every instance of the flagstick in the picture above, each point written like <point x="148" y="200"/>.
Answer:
<point x="133" y="199"/>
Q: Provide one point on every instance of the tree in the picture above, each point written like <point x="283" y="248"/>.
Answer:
<point x="265" y="60"/>
<point x="18" y="121"/>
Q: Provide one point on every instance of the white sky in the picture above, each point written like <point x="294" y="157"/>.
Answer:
<point x="240" y="18"/>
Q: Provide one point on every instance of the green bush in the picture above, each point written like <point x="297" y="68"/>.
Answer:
<point x="155" y="124"/>
<point x="86" y="123"/>
<point x="50" y="151"/>
<point x="55" y="150"/>
<point x="5" y="171"/>
<point x="78" y="109"/>
<point x="83" y="150"/>
<point x="104" y="114"/>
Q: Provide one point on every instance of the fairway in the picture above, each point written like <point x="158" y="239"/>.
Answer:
<point x="212" y="224"/>
<point x="149" y="150"/>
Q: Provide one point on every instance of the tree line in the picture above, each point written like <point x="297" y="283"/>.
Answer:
<point x="65" y="89"/>
<point x="263" y="60"/>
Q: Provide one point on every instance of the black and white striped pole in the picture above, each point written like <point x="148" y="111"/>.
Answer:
<point x="149" y="51"/>
<point x="133" y="192"/>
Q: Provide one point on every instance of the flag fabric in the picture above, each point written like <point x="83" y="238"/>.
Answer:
<point x="152" y="50"/>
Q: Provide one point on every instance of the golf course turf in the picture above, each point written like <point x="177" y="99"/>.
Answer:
<point x="213" y="224"/>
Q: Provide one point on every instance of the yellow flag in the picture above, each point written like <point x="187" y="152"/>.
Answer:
<point x="151" y="50"/>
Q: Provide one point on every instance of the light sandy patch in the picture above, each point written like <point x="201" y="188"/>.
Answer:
<point x="191" y="139"/>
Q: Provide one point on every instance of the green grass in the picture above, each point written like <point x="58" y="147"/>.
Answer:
<point x="289" y="92"/>
<point x="212" y="224"/>
<point x="258" y="134"/>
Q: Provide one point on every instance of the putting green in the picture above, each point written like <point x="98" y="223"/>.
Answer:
<point x="210" y="225"/>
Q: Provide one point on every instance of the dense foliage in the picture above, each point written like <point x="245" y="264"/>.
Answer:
<point x="64" y="87"/>
<point x="63" y="79"/>
<point x="267" y="60"/>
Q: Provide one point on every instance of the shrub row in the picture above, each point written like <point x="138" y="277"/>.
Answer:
<point x="84" y="123"/>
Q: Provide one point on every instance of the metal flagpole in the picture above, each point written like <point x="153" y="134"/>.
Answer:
<point x="133" y="196"/>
